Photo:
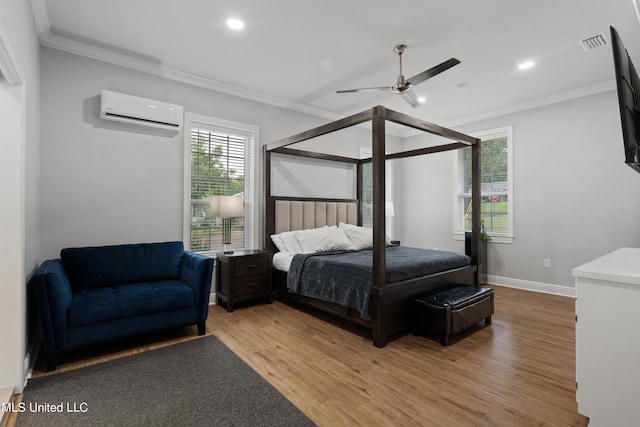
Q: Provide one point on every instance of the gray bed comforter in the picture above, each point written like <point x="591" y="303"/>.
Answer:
<point x="345" y="277"/>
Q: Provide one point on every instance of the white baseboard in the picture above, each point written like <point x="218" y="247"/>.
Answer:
<point x="5" y="398"/>
<point x="29" y="361"/>
<point x="527" y="285"/>
<point x="212" y="298"/>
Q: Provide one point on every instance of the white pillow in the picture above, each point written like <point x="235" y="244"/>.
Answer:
<point x="287" y="242"/>
<point x="277" y="240"/>
<point x="360" y="237"/>
<point x="324" y="239"/>
<point x="291" y="241"/>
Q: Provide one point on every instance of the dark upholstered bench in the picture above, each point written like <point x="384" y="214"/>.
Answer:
<point x="450" y="310"/>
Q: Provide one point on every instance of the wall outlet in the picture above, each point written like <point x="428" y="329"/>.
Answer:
<point x="547" y="263"/>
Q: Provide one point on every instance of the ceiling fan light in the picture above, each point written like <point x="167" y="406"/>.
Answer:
<point x="526" y="65"/>
<point x="422" y="99"/>
<point x="235" y="24"/>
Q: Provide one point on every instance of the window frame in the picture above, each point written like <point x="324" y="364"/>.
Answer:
<point x="367" y="153"/>
<point x="458" y="167"/>
<point x="251" y="204"/>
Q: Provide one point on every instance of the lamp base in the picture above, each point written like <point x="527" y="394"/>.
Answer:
<point x="226" y="236"/>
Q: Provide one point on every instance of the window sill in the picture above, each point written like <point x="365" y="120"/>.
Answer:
<point x="210" y="254"/>
<point x="495" y="238"/>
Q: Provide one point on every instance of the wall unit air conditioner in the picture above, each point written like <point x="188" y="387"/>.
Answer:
<point x="140" y="111"/>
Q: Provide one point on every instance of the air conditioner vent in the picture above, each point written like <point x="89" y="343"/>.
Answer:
<point x="125" y="108"/>
<point x="594" y="42"/>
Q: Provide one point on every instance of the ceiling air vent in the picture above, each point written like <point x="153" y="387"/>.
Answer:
<point x="594" y="42"/>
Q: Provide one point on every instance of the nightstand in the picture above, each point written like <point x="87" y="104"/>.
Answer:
<point x="243" y="275"/>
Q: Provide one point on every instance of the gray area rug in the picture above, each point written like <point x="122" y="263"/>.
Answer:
<point x="195" y="383"/>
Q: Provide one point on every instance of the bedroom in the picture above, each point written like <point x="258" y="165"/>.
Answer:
<point x="561" y="208"/>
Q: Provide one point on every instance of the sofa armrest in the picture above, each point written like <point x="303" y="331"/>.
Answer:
<point x="196" y="272"/>
<point x="53" y="296"/>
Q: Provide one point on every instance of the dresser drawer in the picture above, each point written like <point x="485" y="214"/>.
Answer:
<point x="251" y="285"/>
<point x="252" y="266"/>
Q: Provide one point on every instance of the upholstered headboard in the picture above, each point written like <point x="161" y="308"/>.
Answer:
<point x="289" y="214"/>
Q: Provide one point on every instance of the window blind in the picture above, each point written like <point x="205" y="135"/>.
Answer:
<point x="219" y="162"/>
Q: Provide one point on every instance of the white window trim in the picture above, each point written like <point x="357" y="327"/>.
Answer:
<point x="507" y="237"/>
<point x="251" y="196"/>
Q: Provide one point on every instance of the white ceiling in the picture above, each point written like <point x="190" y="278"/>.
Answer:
<point x="298" y="53"/>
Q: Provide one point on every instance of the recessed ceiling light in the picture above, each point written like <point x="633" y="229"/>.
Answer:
<point x="235" y="24"/>
<point x="526" y="65"/>
<point x="422" y="99"/>
<point x="463" y="84"/>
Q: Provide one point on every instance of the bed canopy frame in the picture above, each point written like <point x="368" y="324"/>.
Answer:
<point x="378" y="116"/>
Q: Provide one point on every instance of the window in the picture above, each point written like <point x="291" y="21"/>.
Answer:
<point x="366" y="198"/>
<point x="496" y="185"/>
<point x="218" y="161"/>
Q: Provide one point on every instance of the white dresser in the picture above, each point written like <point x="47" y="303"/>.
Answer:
<point x="608" y="339"/>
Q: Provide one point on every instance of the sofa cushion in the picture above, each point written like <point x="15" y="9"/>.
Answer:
<point x="114" y="302"/>
<point x="93" y="267"/>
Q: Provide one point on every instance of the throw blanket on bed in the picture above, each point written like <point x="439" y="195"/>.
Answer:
<point x="345" y="277"/>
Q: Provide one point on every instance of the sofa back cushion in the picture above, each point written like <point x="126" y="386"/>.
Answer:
<point x="95" y="267"/>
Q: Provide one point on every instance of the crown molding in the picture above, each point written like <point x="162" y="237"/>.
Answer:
<point x="8" y="67"/>
<point x="41" y="18"/>
<point x="536" y="103"/>
<point x="47" y="38"/>
<point x="146" y="66"/>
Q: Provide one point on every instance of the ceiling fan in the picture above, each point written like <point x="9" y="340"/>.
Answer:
<point x="403" y="86"/>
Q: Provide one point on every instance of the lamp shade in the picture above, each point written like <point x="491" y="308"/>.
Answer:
<point x="226" y="206"/>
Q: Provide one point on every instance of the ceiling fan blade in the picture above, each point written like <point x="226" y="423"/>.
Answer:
<point x="434" y="71"/>
<point x="364" y="89"/>
<point x="411" y="98"/>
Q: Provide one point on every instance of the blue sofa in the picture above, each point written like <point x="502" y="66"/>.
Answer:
<point x="95" y="294"/>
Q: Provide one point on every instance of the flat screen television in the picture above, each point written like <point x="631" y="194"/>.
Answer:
<point x="628" y="85"/>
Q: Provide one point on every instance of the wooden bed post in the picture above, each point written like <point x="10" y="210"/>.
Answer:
<point x="359" y="174"/>
<point x="269" y="215"/>
<point x="379" y="233"/>
<point x="476" y="209"/>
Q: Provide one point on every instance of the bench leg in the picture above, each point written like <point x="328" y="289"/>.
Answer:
<point x="487" y="320"/>
<point x="444" y="340"/>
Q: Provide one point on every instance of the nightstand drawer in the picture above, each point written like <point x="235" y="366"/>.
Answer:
<point x="251" y="285"/>
<point x="252" y="266"/>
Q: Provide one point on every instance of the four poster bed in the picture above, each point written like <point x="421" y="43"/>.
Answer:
<point x="383" y="281"/>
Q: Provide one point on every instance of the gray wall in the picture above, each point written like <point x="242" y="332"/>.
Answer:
<point x="108" y="183"/>
<point x="575" y="199"/>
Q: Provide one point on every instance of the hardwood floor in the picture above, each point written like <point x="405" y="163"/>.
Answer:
<point x="519" y="371"/>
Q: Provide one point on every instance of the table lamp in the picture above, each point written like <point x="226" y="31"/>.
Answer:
<point x="226" y="207"/>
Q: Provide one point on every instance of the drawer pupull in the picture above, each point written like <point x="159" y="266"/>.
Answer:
<point x="252" y="266"/>
<point x="251" y="285"/>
